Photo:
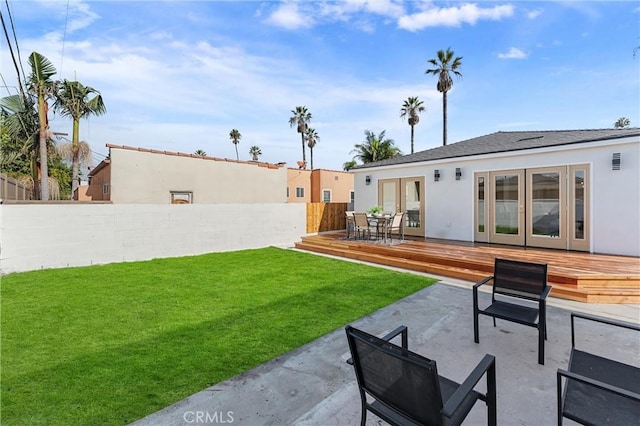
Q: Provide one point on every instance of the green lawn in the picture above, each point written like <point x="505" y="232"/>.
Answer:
<point x="110" y="344"/>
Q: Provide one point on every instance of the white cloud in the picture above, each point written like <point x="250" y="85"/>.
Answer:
<point x="533" y="14"/>
<point x="453" y="16"/>
<point x="513" y="53"/>
<point x="290" y="17"/>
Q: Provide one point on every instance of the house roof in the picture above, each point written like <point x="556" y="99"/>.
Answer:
<point x="506" y="142"/>
<point x="183" y="154"/>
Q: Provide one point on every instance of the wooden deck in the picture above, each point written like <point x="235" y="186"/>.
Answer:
<point x="580" y="276"/>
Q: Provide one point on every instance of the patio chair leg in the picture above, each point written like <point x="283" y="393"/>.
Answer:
<point x="541" y="339"/>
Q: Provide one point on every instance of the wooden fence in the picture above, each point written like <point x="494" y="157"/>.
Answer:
<point x="11" y="189"/>
<point x="322" y="217"/>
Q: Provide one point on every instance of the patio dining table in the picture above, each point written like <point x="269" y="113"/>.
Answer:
<point x="382" y="222"/>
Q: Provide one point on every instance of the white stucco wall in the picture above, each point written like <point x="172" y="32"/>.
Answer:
<point x="615" y="194"/>
<point x="34" y="236"/>
<point x="147" y="177"/>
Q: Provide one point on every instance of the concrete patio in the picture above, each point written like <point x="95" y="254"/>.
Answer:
<point x="313" y="385"/>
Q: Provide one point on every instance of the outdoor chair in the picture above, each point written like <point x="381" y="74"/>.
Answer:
<point x="350" y="223"/>
<point x="362" y="225"/>
<point x="599" y="390"/>
<point x="519" y="295"/>
<point x="402" y="387"/>
<point x="396" y="225"/>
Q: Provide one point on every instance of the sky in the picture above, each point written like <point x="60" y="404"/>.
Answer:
<point x="180" y="75"/>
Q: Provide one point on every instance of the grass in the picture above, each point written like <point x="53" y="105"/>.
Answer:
<point x="110" y="344"/>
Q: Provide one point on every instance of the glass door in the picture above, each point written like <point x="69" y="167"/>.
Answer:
<point x="413" y="205"/>
<point x="406" y="195"/>
<point x="546" y="207"/>
<point x="506" y="219"/>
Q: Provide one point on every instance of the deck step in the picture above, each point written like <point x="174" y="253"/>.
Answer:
<point x="411" y="256"/>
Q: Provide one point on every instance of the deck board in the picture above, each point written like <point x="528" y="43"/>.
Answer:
<point x="581" y="276"/>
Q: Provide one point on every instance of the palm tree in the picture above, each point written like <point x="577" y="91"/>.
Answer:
<point x="622" y="122"/>
<point x="444" y="65"/>
<point x="235" y="137"/>
<point x="255" y="151"/>
<point x="348" y="165"/>
<point x="40" y="84"/>
<point x="411" y="107"/>
<point x="301" y="118"/>
<point x="78" y="101"/>
<point x="375" y="148"/>
<point x="312" y="140"/>
<point x="200" y="153"/>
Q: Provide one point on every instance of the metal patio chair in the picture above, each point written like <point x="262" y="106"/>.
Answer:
<point x="402" y="387"/>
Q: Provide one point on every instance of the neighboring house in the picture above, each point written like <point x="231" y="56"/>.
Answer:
<point x="319" y="186"/>
<point x="139" y="175"/>
<point x="571" y="190"/>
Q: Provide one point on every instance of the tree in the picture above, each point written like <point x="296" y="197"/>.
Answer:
<point x="255" y="151"/>
<point x="301" y="118"/>
<point x="375" y="148"/>
<point x="39" y="83"/>
<point x="78" y="101"/>
<point x="411" y="107"/>
<point x="200" y="153"/>
<point x="235" y="137"/>
<point x="348" y="165"/>
<point x="312" y="140"/>
<point x="445" y="64"/>
<point x="622" y="122"/>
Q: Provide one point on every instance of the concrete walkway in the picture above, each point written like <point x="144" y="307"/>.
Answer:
<point x="313" y="385"/>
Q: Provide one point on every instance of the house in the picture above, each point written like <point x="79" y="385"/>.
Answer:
<point x="569" y="190"/>
<point x="149" y="176"/>
<point x="319" y="186"/>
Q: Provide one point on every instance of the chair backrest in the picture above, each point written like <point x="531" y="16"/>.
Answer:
<point x="402" y="380"/>
<point x="397" y="220"/>
<point x="361" y="220"/>
<point x="519" y="279"/>
<point x="349" y="213"/>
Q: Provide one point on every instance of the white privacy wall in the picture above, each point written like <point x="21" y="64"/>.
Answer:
<point x="35" y="236"/>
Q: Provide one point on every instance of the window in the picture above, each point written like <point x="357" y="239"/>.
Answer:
<point x="288" y="192"/>
<point x="105" y="189"/>
<point x="352" y="196"/>
<point x="299" y="192"/>
<point x="179" y="197"/>
<point x="326" y="196"/>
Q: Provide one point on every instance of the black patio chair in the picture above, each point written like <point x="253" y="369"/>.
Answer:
<point x="599" y="390"/>
<point x="519" y="295"/>
<point x="402" y="387"/>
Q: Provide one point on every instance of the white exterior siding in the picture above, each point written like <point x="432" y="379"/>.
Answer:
<point x="449" y="210"/>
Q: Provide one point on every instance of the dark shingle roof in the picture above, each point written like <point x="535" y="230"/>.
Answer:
<point x="508" y="141"/>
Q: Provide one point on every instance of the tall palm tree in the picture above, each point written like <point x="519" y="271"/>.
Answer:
<point x="375" y="148"/>
<point x="445" y="64"/>
<point x="301" y="118"/>
<point x="312" y="140"/>
<point x="235" y="137"/>
<point x="411" y="107"/>
<point x="255" y="152"/>
<point x="40" y="84"/>
<point x="200" y="153"/>
<point x="78" y="101"/>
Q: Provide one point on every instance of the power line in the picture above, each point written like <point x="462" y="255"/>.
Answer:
<point x="64" y="36"/>
<point x="13" y="57"/>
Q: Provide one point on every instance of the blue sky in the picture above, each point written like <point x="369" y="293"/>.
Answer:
<point x="179" y="75"/>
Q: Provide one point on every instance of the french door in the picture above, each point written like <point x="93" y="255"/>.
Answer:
<point x="404" y="195"/>
<point x="541" y="207"/>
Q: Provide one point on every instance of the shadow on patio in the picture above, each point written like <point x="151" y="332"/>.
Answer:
<point x="313" y="385"/>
